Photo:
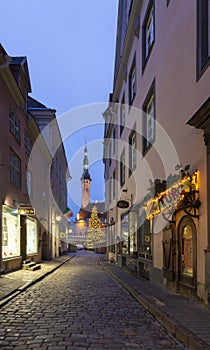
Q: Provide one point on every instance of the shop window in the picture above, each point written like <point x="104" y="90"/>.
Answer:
<point x="132" y="151"/>
<point x="132" y="82"/>
<point x="187" y="250"/>
<point x="148" y="33"/>
<point x="32" y="244"/>
<point x="203" y="36"/>
<point x="15" y="170"/>
<point x="14" y="125"/>
<point x="132" y="233"/>
<point x="10" y="232"/>
<point x="149" y="119"/>
<point x="145" y="238"/>
<point x="124" y="233"/>
<point x="122" y="168"/>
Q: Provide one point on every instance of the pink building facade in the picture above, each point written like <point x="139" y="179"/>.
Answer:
<point x="156" y="160"/>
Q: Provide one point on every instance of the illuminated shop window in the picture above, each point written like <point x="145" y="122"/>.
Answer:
<point x="124" y="232"/>
<point x="10" y="232"/>
<point x="187" y="251"/>
<point x="31" y="227"/>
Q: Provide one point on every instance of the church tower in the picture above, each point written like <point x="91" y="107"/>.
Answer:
<point x="85" y="180"/>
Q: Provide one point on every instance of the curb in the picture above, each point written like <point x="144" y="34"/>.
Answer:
<point x="172" y="326"/>
<point x="27" y="285"/>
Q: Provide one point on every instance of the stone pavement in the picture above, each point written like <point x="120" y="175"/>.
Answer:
<point x="13" y="283"/>
<point x="186" y="319"/>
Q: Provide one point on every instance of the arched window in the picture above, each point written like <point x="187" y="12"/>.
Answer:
<point x="187" y="250"/>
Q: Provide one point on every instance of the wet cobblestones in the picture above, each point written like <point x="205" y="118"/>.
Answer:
<point x="79" y="307"/>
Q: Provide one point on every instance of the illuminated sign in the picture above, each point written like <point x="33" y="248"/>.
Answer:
<point x="171" y="197"/>
<point x="26" y="211"/>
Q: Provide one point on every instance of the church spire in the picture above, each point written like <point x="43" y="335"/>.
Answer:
<point x="85" y="180"/>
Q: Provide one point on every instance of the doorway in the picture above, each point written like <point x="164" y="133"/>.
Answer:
<point x="187" y="257"/>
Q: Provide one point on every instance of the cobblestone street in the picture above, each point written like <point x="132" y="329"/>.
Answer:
<point x="80" y="307"/>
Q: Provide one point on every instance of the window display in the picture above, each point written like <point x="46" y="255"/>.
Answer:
<point x="10" y="232"/>
<point x="31" y="227"/>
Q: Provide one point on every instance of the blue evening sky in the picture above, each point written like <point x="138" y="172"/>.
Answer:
<point x="70" y="48"/>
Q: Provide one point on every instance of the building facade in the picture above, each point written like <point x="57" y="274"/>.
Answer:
<point x="156" y="168"/>
<point x="23" y="230"/>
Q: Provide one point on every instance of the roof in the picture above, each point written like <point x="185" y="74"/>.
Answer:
<point x="85" y="213"/>
<point x="32" y="103"/>
<point x="18" y="60"/>
<point x="86" y="175"/>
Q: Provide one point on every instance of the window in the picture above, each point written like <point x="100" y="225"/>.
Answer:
<point x="187" y="250"/>
<point x="149" y="119"/>
<point x="110" y="152"/>
<point x="124" y="232"/>
<point x="29" y="183"/>
<point x="114" y="184"/>
<point x="15" y="170"/>
<point x="203" y="36"/>
<point x="114" y="140"/>
<point x="132" y="151"/>
<point x="14" y="125"/>
<point x="10" y="232"/>
<point x="132" y="82"/>
<point x="122" y="168"/>
<point x="122" y="114"/>
<point x="148" y="33"/>
<point x="28" y="144"/>
<point x="110" y="190"/>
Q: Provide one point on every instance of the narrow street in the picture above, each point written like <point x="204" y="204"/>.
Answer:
<point x="80" y="307"/>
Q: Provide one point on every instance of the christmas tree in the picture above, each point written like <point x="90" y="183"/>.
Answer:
<point x="95" y="233"/>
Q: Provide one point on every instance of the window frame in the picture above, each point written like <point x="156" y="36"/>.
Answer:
<point x="14" y="125"/>
<point x="203" y="36"/>
<point x="132" y="81"/>
<point x="122" y="114"/>
<point x="151" y="96"/>
<point x="132" y="150"/>
<point x="15" y="170"/>
<point x="122" y="168"/>
<point x="145" y="55"/>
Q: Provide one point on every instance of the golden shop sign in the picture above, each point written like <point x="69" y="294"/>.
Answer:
<point x="167" y="199"/>
<point x="26" y="211"/>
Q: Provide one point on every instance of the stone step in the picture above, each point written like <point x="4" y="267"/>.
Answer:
<point x="35" y="267"/>
<point x="25" y="262"/>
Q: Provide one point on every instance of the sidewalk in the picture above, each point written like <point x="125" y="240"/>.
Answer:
<point x="184" y="318"/>
<point x="13" y="283"/>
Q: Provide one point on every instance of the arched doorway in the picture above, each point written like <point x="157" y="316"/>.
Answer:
<point x="187" y="257"/>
